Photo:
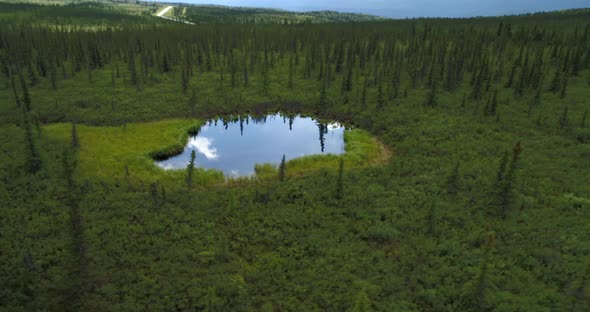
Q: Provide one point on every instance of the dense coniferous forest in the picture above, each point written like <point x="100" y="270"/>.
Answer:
<point x="469" y="190"/>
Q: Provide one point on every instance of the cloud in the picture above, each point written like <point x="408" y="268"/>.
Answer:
<point x="334" y="126"/>
<point x="166" y="166"/>
<point x="204" y="146"/>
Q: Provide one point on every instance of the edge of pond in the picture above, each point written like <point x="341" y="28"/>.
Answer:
<point x="356" y="154"/>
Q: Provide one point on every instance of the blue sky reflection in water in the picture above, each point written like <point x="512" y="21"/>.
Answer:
<point x="235" y="148"/>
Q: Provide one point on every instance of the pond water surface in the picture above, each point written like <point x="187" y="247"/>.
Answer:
<point x="234" y="147"/>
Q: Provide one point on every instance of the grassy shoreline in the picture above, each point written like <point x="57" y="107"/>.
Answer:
<point x="361" y="149"/>
<point x="127" y="152"/>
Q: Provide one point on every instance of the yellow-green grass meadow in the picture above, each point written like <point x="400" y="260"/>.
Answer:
<point x="125" y="152"/>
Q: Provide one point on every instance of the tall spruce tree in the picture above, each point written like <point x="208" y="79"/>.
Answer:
<point x="26" y="97"/>
<point x="481" y="287"/>
<point x="184" y="80"/>
<point x="323" y="100"/>
<point x="282" y="169"/>
<point x="506" y="190"/>
<point x="191" y="169"/>
<point x="563" y="88"/>
<point x="432" y="96"/>
<point x="364" y="95"/>
<point x="53" y="74"/>
<point x="340" y="181"/>
<point x="362" y="303"/>
<point x="291" y="69"/>
<point x="453" y="180"/>
<point x="380" y="97"/>
<point x="564" y="119"/>
<point x="433" y="220"/>
<point x="14" y="92"/>
<point x="32" y="159"/>
<point x="192" y="103"/>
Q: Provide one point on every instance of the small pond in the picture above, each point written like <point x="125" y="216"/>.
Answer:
<point x="236" y="146"/>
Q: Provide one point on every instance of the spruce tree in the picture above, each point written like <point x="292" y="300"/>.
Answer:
<point x="290" y="82"/>
<point x="463" y="101"/>
<point x="492" y="104"/>
<point x="563" y="89"/>
<point x="53" y="74"/>
<point x="33" y="161"/>
<point x="89" y="70"/>
<point x="265" y="80"/>
<point x="506" y="190"/>
<point x="380" y="97"/>
<point x="513" y="70"/>
<point x="478" y="86"/>
<point x="321" y="71"/>
<point x="364" y="95"/>
<point x="322" y="130"/>
<point x="69" y="164"/>
<point x="131" y="66"/>
<point x="453" y="180"/>
<point x="536" y="102"/>
<point x="362" y="303"/>
<point x="112" y="77"/>
<point x="563" y="119"/>
<point x="347" y="85"/>
<point x="245" y="75"/>
<point x="520" y="85"/>
<point x="26" y="97"/>
<point x="480" y="291"/>
<point x="432" y="97"/>
<point x="234" y="73"/>
<point x="191" y="169"/>
<point x="323" y="100"/>
<point x="32" y="75"/>
<point x="282" y="168"/>
<point x="340" y="181"/>
<point x="432" y="220"/>
<point x="38" y="126"/>
<point x="192" y="103"/>
<point x="501" y="171"/>
<point x="556" y="82"/>
<point x="500" y="27"/>
<point x="184" y="80"/>
<point x="14" y="92"/>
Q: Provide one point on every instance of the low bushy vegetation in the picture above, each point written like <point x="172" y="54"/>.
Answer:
<point x="483" y="204"/>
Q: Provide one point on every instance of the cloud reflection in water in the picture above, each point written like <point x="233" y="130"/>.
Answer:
<point x="204" y="146"/>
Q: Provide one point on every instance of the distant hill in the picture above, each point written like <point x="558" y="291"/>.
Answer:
<point x="208" y="14"/>
<point x="118" y="13"/>
<point x="78" y="14"/>
<point x="197" y="14"/>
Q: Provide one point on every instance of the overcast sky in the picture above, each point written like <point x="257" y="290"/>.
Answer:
<point x="409" y="8"/>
